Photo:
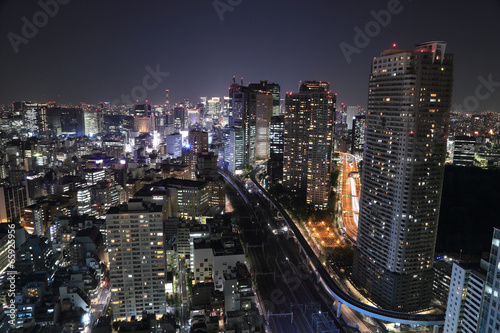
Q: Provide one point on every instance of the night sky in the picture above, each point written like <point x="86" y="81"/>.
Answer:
<point x="93" y="51"/>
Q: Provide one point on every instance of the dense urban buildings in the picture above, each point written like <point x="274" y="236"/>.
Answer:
<point x="308" y="142"/>
<point x="132" y="216"/>
<point x="403" y="166"/>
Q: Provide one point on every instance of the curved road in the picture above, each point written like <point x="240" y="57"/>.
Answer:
<point x="335" y="291"/>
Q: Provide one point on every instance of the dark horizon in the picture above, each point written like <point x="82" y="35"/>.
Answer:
<point x="94" y="52"/>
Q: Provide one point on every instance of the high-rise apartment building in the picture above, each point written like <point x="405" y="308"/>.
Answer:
<point x="137" y="259"/>
<point x="464" y="298"/>
<point x="489" y="320"/>
<point x="403" y="167"/>
<point x="198" y="141"/>
<point x="308" y="142"/>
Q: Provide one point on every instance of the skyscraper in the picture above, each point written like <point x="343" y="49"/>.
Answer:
<point x="247" y="137"/>
<point x="35" y="118"/>
<point x="137" y="261"/>
<point x="403" y="166"/>
<point x="358" y="134"/>
<point x="263" y="87"/>
<point x="308" y="142"/>
<point x="276" y="143"/>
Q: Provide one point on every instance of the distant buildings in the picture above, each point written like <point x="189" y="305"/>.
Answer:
<point x="308" y="142"/>
<point x="276" y="148"/>
<point x="174" y="145"/>
<point x="358" y="134"/>
<point x="246" y="139"/>
<point x="35" y="118"/>
<point x="403" y="168"/>
<point x="464" y="150"/>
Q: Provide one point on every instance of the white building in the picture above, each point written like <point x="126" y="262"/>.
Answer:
<point x="83" y="199"/>
<point x="490" y="311"/>
<point x="464" y="299"/>
<point x="213" y="258"/>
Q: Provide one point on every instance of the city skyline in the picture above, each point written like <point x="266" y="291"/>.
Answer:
<point x="202" y="61"/>
<point x="264" y="166"/>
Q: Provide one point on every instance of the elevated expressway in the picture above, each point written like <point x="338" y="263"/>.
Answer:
<point x="336" y="292"/>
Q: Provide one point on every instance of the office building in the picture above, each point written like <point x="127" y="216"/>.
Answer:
<point x="273" y="89"/>
<point x="350" y="113"/>
<point x="234" y="150"/>
<point x="93" y="176"/>
<point x="247" y="135"/>
<point x="263" y="111"/>
<point x="174" y="145"/>
<point x="308" y="142"/>
<point x="464" y="150"/>
<point x="92" y="120"/>
<point x="66" y="121"/>
<point x="84" y="200"/>
<point x="35" y="118"/>
<point x="403" y="168"/>
<point x="358" y="134"/>
<point x="137" y="260"/>
<point x="276" y="148"/>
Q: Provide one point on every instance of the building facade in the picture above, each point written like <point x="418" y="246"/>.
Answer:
<point x="464" y="150"/>
<point x="308" y="142"/>
<point x="403" y="168"/>
<point x="464" y="299"/>
<point x="137" y="259"/>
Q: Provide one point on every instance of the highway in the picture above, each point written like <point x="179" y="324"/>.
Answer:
<point x="349" y="196"/>
<point x="335" y="291"/>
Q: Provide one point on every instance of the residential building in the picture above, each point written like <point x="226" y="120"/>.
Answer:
<point x="403" y="168"/>
<point x="308" y="142"/>
<point x="464" y="298"/>
<point x="137" y="259"/>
